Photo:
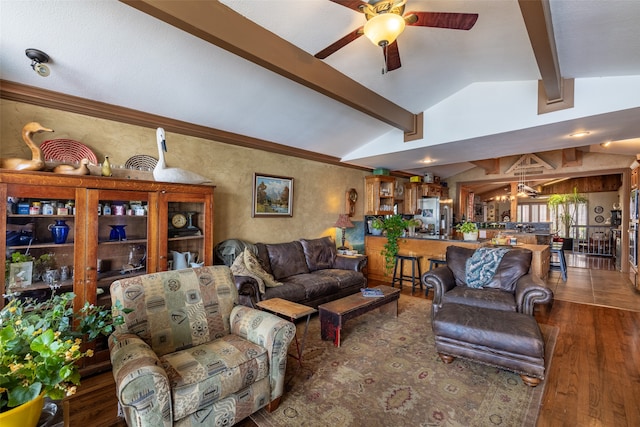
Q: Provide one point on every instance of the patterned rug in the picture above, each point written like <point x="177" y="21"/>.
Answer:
<point x="387" y="373"/>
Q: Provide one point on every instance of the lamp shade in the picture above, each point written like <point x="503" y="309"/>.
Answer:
<point x="383" y="29"/>
<point x="344" y="222"/>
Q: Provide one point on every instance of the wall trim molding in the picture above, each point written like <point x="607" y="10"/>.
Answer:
<point x="45" y="98"/>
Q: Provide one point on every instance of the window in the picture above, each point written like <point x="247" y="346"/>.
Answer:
<point x="533" y="212"/>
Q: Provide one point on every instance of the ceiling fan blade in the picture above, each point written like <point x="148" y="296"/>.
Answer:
<point x="392" y="56"/>
<point x="351" y="4"/>
<point x="454" y="21"/>
<point x="332" y="48"/>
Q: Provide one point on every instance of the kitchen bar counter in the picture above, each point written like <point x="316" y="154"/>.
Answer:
<point x="436" y="247"/>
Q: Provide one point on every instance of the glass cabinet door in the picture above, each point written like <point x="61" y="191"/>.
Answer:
<point x="118" y="237"/>
<point x="41" y="231"/>
<point x="187" y="220"/>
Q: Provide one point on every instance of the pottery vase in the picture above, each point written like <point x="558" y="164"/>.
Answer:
<point x="117" y="232"/>
<point x="472" y="236"/>
<point x="25" y="415"/>
<point x="59" y="231"/>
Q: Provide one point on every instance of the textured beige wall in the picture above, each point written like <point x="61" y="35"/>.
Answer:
<point x="319" y="188"/>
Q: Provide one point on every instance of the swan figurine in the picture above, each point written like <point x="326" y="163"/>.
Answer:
<point x="162" y="173"/>
<point x="36" y="163"/>
<point x="83" y="169"/>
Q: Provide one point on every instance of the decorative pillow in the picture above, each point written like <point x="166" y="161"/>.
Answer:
<point x="319" y="253"/>
<point x="482" y="266"/>
<point x="287" y="259"/>
<point x="254" y="266"/>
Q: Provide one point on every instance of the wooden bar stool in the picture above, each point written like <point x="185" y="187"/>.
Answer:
<point x="437" y="262"/>
<point x="560" y="263"/>
<point x="415" y="261"/>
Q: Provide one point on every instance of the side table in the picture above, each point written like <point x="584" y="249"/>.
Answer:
<point x="292" y="311"/>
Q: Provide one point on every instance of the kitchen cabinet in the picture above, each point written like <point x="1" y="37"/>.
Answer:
<point x="413" y="191"/>
<point x="117" y="228"/>
<point x="379" y="195"/>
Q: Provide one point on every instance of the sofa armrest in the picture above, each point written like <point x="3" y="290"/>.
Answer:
<point x="357" y="263"/>
<point x="142" y="385"/>
<point x="441" y="280"/>
<point x="528" y="293"/>
<point x="248" y="291"/>
<point x="269" y="331"/>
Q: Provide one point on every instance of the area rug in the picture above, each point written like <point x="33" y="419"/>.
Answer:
<point x="387" y="373"/>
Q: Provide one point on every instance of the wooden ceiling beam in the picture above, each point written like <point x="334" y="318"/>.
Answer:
<point x="554" y="92"/>
<point x="223" y="27"/>
<point x="571" y="157"/>
<point x="490" y="166"/>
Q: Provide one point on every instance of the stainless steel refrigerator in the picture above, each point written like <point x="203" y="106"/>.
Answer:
<point x="436" y="215"/>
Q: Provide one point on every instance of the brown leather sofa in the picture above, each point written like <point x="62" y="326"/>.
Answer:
<point x="494" y="324"/>
<point x="512" y="288"/>
<point x="310" y="270"/>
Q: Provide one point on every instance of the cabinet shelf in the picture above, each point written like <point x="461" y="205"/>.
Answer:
<point x="120" y="242"/>
<point x="68" y="217"/>
<point x="41" y="246"/>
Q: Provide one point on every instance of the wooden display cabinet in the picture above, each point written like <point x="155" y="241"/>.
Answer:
<point x="379" y="195"/>
<point x="95" y="255"/>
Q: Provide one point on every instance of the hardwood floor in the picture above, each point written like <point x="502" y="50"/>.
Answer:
<point x="594" y="379"/>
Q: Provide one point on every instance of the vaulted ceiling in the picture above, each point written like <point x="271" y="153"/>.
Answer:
<point x="247" y="67"/>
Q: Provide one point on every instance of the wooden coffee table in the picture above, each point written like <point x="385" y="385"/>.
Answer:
<point x="292" y="311"/>
<point x="334" y="314"/>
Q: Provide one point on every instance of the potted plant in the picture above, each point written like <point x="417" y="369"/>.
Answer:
<point x="40" y="343"/>
<point x="565" y="209"/>
<point x="469" y="230"/>
<point x="377" y="225"/>
<point x="412" y="224"/>
<point x="394" y="226"/>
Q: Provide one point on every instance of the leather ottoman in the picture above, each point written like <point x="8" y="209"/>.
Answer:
<point x="505" y="339"/>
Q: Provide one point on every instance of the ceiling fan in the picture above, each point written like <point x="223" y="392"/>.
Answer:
<point x="386" y="20"/>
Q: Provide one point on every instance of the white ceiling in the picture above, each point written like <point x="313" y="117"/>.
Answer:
<point x="477" y="88"/>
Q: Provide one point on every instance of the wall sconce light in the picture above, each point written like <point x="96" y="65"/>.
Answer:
<point x="343" y="223"/>
<point x="38" y="59"/>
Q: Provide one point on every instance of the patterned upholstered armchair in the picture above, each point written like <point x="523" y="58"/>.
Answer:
<point x="187" y="355"/>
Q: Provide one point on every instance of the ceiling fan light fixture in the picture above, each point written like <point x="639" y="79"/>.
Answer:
<point x="384" y="29"/>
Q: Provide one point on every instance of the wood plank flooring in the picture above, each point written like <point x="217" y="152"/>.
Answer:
<point x="594" y="379"/>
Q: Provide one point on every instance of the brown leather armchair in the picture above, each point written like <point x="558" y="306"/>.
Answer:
<point x="512" y="288"/>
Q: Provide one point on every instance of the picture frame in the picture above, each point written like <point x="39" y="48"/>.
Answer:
<point x="272" y="196"/>
<point x="20" y="274"/>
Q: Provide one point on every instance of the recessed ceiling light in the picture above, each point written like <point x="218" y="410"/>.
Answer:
<point x="580" y="134"/>
<point x="605" y="144"/>
<point x="427" y="161"/>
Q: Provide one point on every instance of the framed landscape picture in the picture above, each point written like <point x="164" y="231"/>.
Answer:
<point x="272" y="196"/>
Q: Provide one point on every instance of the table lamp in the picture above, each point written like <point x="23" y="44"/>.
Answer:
<point x="343" y="223"/>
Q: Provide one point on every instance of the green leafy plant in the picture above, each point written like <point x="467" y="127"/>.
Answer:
<point x="377" y="223"/>
<point x="40" y="343"/>
<point x="467" y="227"/>
<point x="565" y="207"/>
<point x="413" y="222"/>
<point x="43" y="263"/>
<point x="394" y="226"/>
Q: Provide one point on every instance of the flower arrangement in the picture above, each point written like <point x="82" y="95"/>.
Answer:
<point x="40" y="343"/>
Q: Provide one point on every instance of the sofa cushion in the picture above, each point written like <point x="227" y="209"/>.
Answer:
<point x="209" y="372"/>
<point x="286" y="259"/>
<point x="319" y="253"/>
<point x="514" y="264"/>
<point x="495" y="299"/>
<point x="345" y="278"/>
<point x="315" y="285"/>
<point x="290" y="291"/>
<point x="263" y="256"/>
